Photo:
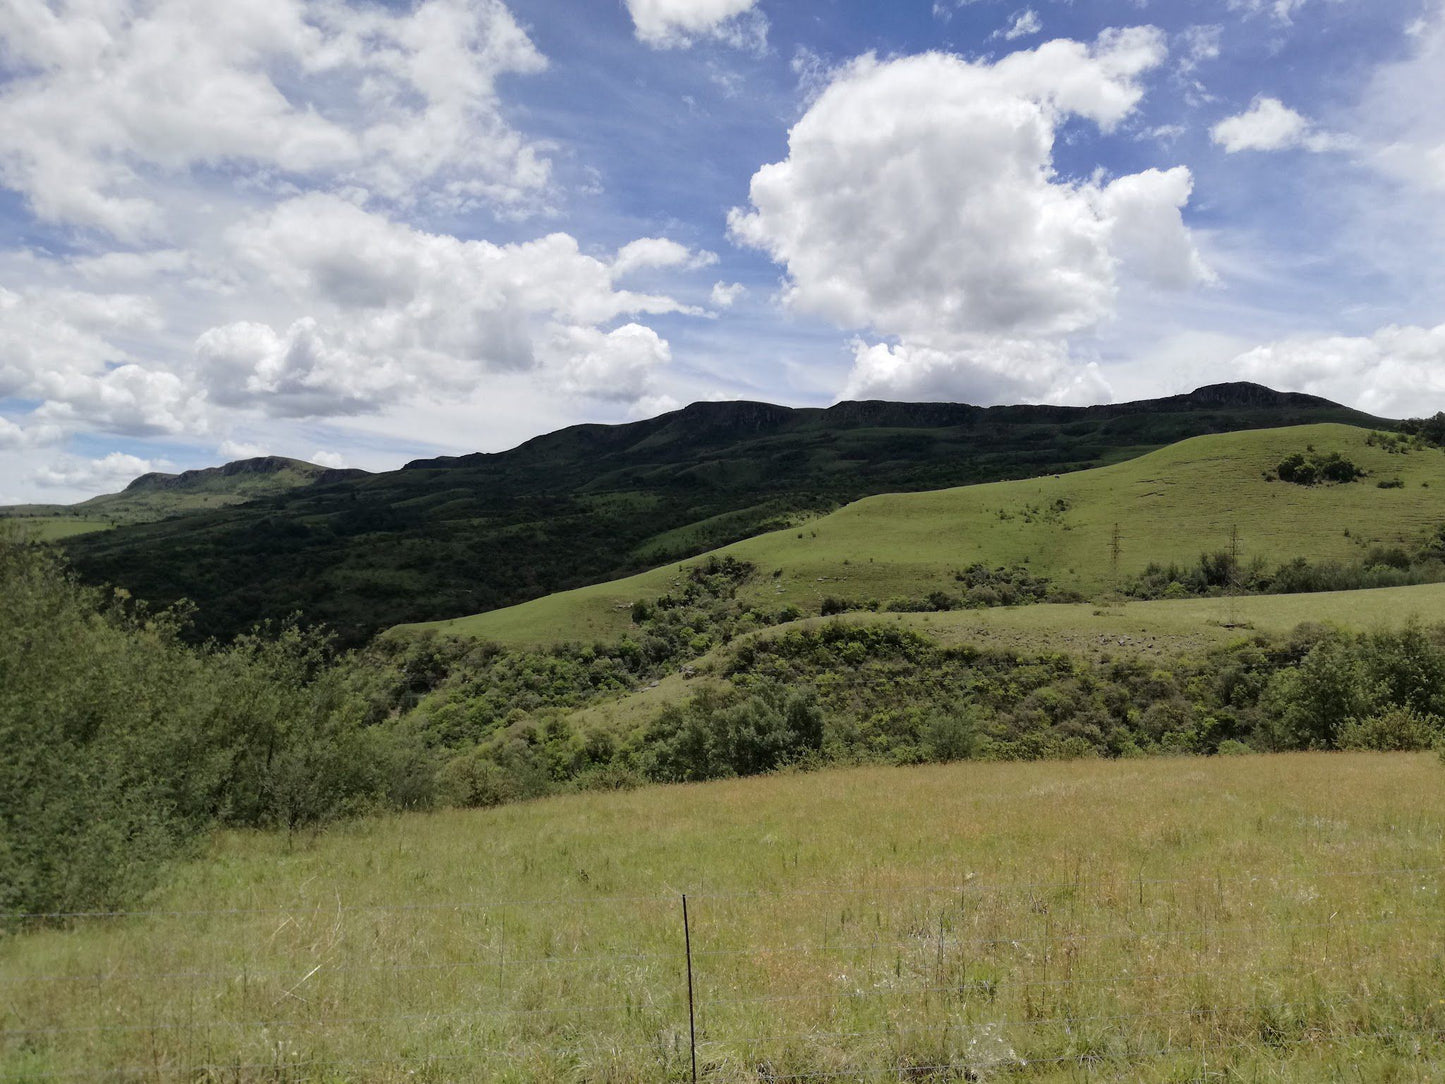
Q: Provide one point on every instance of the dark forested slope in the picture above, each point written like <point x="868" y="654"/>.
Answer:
<point x="457" y="535"/>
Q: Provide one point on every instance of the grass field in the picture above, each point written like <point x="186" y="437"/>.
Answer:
<point x="1262" y="918"/>
<point x="54" y="528"/>
<point x="1169" y="505"/>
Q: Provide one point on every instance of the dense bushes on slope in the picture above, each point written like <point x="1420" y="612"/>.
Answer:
<point x="122" y="743"/>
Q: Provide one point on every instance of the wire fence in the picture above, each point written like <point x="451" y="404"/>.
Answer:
<point x="1101" y="976"/>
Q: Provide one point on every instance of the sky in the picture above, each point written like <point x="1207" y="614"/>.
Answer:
<point x="364" y="233"/>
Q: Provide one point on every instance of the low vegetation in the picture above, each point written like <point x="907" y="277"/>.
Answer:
<point x="124" y="744"/>
<point x="1222" y="572"/>
<point x="136" y="743"/>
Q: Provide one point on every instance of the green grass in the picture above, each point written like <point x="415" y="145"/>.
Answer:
<point x="1169" y="626"/>
<point x="1152" y="920"/>
<point x="53" y="528"/>
<point x="1169" y="505"/>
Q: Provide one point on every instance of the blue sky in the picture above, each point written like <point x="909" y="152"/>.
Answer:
<point x="363" y="233"/>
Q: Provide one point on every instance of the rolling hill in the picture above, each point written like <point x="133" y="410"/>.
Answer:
<point x="452" y="536"/>
<point x="1168" y="505"/>
<point x="158" y="496"/>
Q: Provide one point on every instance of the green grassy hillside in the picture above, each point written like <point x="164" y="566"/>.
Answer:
<point x="43" y="527"/>
<point x="1246" y="918"/>
<point x="1169" y="505"/>
<point x="457" y="535"/>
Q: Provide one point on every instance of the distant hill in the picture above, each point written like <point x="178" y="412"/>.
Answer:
<point x="1167" y="506"/>
<point x="456" y="535"/>
<point x="158" y="496"/>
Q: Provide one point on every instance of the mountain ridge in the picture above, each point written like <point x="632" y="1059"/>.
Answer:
<point x="455" y="535"/>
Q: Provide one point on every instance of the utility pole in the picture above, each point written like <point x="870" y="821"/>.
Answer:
<point x="1114" y="555"/>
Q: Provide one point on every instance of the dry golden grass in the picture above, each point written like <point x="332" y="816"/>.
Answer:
<point x="1181" y="920"/>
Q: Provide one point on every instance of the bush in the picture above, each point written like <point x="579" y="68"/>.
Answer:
<point x="1396" y="729"/>
<point x="124" y="743"/>
<point x="715" y="735"/>
<point x="1311" y="470"/>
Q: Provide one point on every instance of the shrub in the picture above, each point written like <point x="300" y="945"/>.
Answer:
<point x="1311" y="470"/>
<point x="1396" y="729"/>
<point x="715" y="735"/>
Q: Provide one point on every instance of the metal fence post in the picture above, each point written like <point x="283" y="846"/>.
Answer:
<point x="691" y="1015"/>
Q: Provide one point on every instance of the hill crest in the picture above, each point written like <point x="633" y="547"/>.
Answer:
<point x="587" y="504"/>
<point x="257" y="465"/>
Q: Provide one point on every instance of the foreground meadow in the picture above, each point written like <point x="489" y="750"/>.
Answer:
<point x="1250" y="918"/>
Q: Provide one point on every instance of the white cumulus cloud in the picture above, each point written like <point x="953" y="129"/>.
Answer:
<point x="60" y="346"/>
<point x="725" y="294"/>
<point x="389" y="312"/>
<point x="1270" y="125"/>
<point x="111" y="472"/>
<point x="13" y="435"/>
<point x="659" y="252"/>
<point x="919" y="201"/>
<point x="669" y="24"/>
<point x="1398" y="371"/>
<point x="111" y="98"/>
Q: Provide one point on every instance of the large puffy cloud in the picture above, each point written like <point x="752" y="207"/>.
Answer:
<point x="109" y="472"/>
<point x="617" y="365"/>
<point x="113" y="96"/>
<point x="1000" y="370"/>
<point x="1392" y="372"/>
<point x="667" y="24"/>
<point x="131" y="399"/>
<point x="60" y="346"/>
<point x="54" y="331"/>
<point x="919" y="201"/>
<point x="394" y="312"/>
<point x="13" y="435"/>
